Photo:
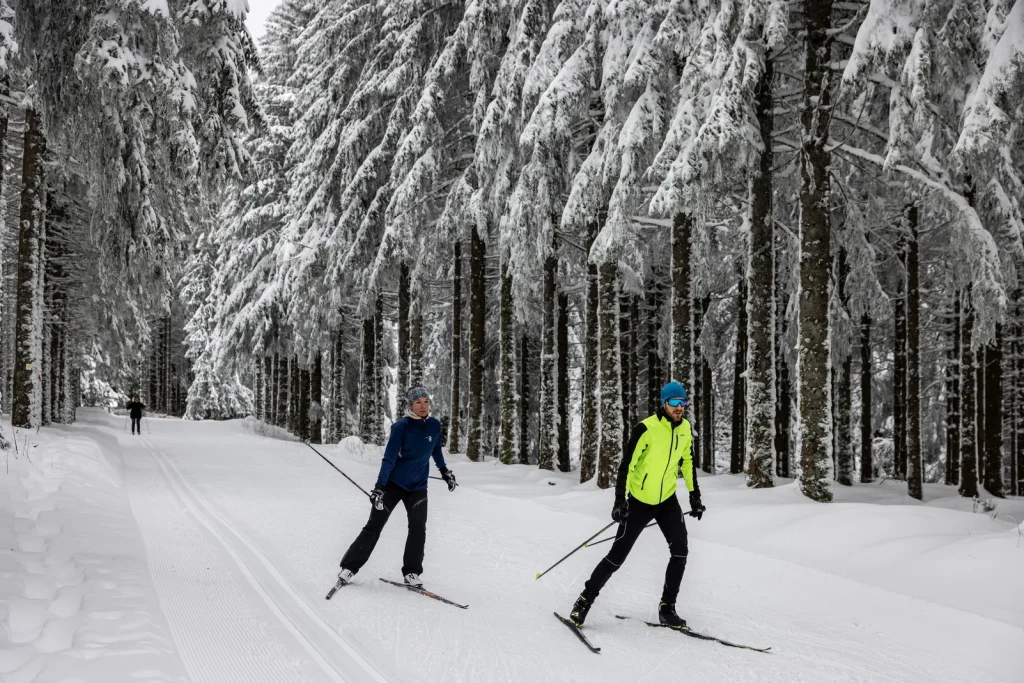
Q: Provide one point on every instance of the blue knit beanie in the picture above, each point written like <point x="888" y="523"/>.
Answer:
<point x="416" y="393"/>
<point x="672" y="390"/>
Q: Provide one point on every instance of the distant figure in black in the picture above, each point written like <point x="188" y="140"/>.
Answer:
<point x="135" y="409"/>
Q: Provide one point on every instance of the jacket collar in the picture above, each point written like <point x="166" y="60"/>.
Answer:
<point x="662" y="415"/>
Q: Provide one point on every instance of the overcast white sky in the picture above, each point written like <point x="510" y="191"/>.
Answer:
<point x="259" y="10"/>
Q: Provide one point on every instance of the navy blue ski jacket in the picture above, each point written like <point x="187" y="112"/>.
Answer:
<point x="407" y="456"/>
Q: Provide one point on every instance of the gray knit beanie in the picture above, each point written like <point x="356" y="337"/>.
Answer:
<point x="416" y="393"/>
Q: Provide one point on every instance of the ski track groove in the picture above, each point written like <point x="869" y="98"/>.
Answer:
<point x="335" y="655"/>
<point x="225" y="641"/>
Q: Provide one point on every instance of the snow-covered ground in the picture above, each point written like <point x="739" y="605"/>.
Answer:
<point x="203" y="552"/>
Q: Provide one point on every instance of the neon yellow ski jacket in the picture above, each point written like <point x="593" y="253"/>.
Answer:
<point x="654" y="458"/>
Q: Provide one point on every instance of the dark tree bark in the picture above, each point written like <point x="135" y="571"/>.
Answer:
<point x="304" y="399"/>
<point x="707" y="421"/>
<point x="477" y="325"/>
<point x="524" y="392"/>
<point x="456" y="405"/>
<point x="994" y="415"/>
<point x="563" y="381"/>
<point x="367" y="381"/>
<point x="547" y="431"/>
<point x="866" y="432"/>
<point x="589" y="402"/>
<point x="757" y="439"/>
<point x="509" y="395"/>
<point x="682" y="301"/>
<point x="968" y="413"/>
<point x="844" y="393"/>
<point x="783" y="407"/>
<point x="634" y="360"/>
<point x="267" y="397"/>
<point x="899" y="376"/>
<point x="815" y="254"/>
<point x="295" y="397"/>
<point x="404" y="358"/>
<point x="281" y="369"/>
<point x="624" y="335"/>
<point x="611" y="391"/>
<point x="1017" y="457"/>
<point x="380" y="370"/>
<point x="654" y="378"/>
<point x="316" y="400"/>
<point x="416" y="342"/>
<point x="26" y="406"/>
<point x="953" y="399"/>
<point x="979" y="416"/>
<point x="913" y="470"/>
<point x="737" y="455"/>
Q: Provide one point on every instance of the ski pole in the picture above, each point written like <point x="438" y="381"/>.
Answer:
<point x="126" y="422"/>
<point x="340" y="472"/>
<point x="148" y="430"/>
<point x="612" y="538"/>
<point x="581" y="545"/>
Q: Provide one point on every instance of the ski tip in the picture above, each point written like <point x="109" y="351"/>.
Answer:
<point x="619" y="616"/>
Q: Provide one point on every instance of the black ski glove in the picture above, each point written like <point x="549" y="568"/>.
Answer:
<point x="697" y="508"/>
<point x="449" y="478"/>
<point x="620" y="512"/>
<point x="377" y="498"/>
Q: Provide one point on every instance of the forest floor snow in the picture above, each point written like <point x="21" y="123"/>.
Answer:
<point x="202" y="552"/>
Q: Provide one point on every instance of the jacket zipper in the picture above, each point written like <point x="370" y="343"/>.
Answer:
<point x="644" y="481"/>
<point x="668" y="461"/>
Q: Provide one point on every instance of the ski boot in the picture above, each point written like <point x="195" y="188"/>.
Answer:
<point x="579" y="610"/>
<point x="667" y="617"/>
<point x="413" y="580"/>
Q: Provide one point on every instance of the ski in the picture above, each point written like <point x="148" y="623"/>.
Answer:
<point x="579" y="634"/>
<point x="694" y="634"/>
<point x="334" y="589"/>
<point x="423" y="591"/>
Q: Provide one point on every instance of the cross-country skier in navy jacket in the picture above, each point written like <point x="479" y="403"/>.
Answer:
<point x="404" y="472"/>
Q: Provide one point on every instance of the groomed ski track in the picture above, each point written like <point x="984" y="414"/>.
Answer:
<point x="244" y="535"/>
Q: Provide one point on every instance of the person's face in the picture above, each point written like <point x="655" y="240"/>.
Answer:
<point x="675" y="412"/>
<point x="421" y="407"/>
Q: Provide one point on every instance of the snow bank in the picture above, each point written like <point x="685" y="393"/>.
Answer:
<point x="76" y="600"/>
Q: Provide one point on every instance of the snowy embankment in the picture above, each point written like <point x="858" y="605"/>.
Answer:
<point x="243" y="535"/>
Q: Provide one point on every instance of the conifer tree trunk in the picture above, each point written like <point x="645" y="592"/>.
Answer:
<point x="866" y="433"/>
<point x="416" y="342"/>
<point x="43" y="294"/>
<point x="165" y="382"/>
<point x="815" y="256"/>
<point x="624" y="335"/>
<point x="477" y="323"/>
<point x="844" y="391"/>
<point x="1017" y="434"/>
<point x="654" y="379"/>
<point x="758" y="390"/>
<point x="368" y="381"/>
<point x="267" y="396"/>
<point x="380" y="371"/>
<point x="968" y="411"/>
<point x="783" y="409"/>
<point x="994" y="415"/>
<point x="899" y="375"/>
<point x="979" y="416"/>
<point x="705" y="392"/>
<point x="294" y="396"/>
<point x="548" y="430"/>
<point x="456" y="404"/>
<point x="611" y="377"/>
<point x="913" y="469"/>
<point x="304" y="398"/>
<point x="26" y="392"/>
<point x="953" y="399"/>
<point x="281" y="370"/>
<point x="737" y="454"/>
<point x="524" y="392"/>
<point x="589" y="403"/>
<point x="338" y="388"/>
<point x="509" y="395"/>
<point x="316" y="400"/>
<point x="682" y="302"/>
<point x="563" y="381"/>
<point x="403" y="329"/>
<point x="257" y="388"/>
<point x="634" y="361"/>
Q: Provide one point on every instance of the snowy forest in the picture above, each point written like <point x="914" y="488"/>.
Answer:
<point x="808" y="212"/>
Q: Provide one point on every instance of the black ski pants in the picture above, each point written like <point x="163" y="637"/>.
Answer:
<point x="669" y="517"/>
<point x="137" y="424"/>
<point x="416" y="509"/>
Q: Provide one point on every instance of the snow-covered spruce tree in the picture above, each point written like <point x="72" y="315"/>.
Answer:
<point x="213" y="394"/>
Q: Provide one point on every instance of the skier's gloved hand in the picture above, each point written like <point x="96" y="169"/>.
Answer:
<point x="449" y="478"/>
<point x="696" y="506"/>
<point x="620" y="511"/>
<point x="377" y="498"/>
